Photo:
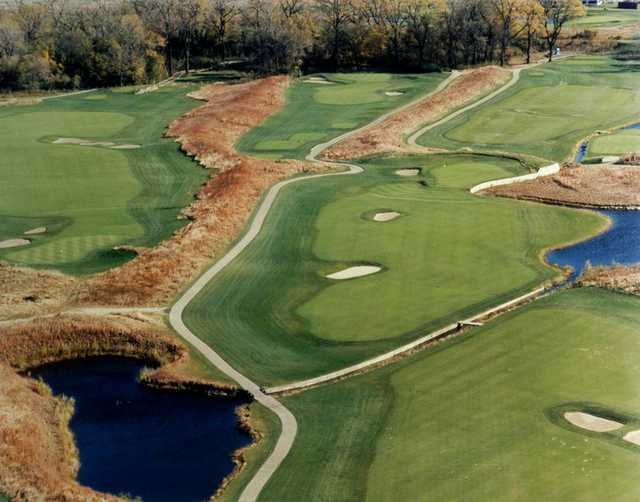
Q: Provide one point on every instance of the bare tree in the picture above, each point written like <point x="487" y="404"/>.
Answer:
<point x="556" y="13"/>
<point x="336" y="16"/>
<point x="223" y="13"/>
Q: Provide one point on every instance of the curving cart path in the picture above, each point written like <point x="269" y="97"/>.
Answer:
<point x="288" y="421"/>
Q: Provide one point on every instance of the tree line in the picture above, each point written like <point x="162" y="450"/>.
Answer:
<point x="46" y="44"/>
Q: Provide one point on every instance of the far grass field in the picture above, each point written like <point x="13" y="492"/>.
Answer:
<point x="272" y="313"/>
<point x="317" y="112"/>
<point x="617" y="143"/>
<point x="480" y="417"/>
<point x="605" y="17"/>
<point x="549" y="111"/>
<point x="92" y="198"/>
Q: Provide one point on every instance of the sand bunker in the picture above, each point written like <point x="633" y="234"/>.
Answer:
<point x="125" y="147"/>
<point x="85" y="142"/>
<point x="352" y="272"/>
<point x="394" y="93"/>
<point x="592" y="422"/>
<point x="388" y="216"/>
<point x="14" y="243"/>
<point x="318" y="80"/>
<point x="408" y="172"/>
<point x="610" y="159"/>
<point x="632" y="437"/>
<point x="36" y="231"/>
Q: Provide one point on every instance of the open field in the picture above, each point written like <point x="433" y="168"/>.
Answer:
<point x="91" y="198"/>
<point x="274" y="315"/>
<point x="316" y="113"/>
<point x="476" y="418"/>
<point x="550" y="109"/>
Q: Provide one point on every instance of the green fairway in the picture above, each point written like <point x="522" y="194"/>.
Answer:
<point x="274" y="315"/>
<point x="476" y="418"/>
<point x="548" y="111"/>
<point x="605" y="17"/>
<point x="617" y="143"/>
<point x="316" y="112"/>
<point x="92" y="198"/>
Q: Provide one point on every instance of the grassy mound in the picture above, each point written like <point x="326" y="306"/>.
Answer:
<point x="316" y="113"/>
<point x="548" y="111"/>
<point x="475" y="418"/>
<point x="92" y="198"/>
<point x="450" y="255"/>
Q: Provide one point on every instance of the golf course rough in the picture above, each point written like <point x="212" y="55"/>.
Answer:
<point x="548" y="111"/>
<point x="469" y="419"/>
<point x="450" y="256"/>
<point x="90" y="196"/>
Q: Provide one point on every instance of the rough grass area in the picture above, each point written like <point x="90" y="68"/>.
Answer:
<point x="549" y="111"/>
<point x="618" y="143"/>
<point x="619" y="278"/>
<point x="274" y="315"/>
<point x="316" y="113"/>
<point x="92" y="198"/>
<point x="474" y="418"/>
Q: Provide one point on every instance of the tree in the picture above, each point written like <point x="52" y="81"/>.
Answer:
<point x="556" y="13"/>
<point x="336" y="16"/>
<point x="223" y="14"/>
<point x="531" y="18"/>
<point x="506" y="12"/>
<point x="423" y="18"/>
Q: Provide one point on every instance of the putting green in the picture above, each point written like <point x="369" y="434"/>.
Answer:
<point x="316" y="113"/>
<point x="548" y="111"/>
<point x="474" y="418"/>
<point x="450" y="255"/>
<point x="92" y="198"/>
<point x="618" y="143"/>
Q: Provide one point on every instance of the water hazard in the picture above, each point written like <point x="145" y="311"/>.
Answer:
<point x="619" y="245"/>
<point x="153" y="444"/>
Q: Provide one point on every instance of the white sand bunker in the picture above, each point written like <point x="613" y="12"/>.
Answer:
<point x="125" y="147"/>
<point x="610" y="159"/>
<point x="394" y="93"/>
<point x="592" y="422"/>
<point x="408" y="172"/>
<point x="388" y="216"/>
<point x="36" y="231"/>
<point x="352" y="272"/>
<point x="86" y="142"/>
<point x="318" y="80"/>
<point x="14" y="243"/>
<point x="632" y="437"/>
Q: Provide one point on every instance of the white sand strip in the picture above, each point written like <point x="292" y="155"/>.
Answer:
<point x="592" y="422"/>
<point x="383" y="217"/>
<point x="352" y="272"/>
<point x="36" y="231"/>
<point x="408" y="172"/>
<point x="394" y="93"/>
<point x="14" y="243"/>
<point x="125" y="147"/>
<point x="632" y="437"/>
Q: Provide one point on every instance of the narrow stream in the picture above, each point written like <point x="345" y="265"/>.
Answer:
<point x="618" y="245"/>
<point x="154" y="444"/>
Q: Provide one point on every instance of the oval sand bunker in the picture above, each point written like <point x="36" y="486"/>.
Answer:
<point x="14" y="243"/>
<point x="408" y="172"/>
<point x="394" y="93"/>
<point x="36" y="231"/>
<point x="352" y="272"/>
<point x="387" y="216"/>
<point x="592" y="422"/>
<point x="632" y="437"/>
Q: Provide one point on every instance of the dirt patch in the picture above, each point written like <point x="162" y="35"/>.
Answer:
<point x="225" y="203"/>
<point x="14" y="243"/>
<point x="388" y="216"/>
<point x="625" y="279"/>
<point x="582" y="186"/>
<point x="36" y="231"/>
<point x="353" y="272"/>
<point x="388" y="136"/>
<point x="632" y="437"/>
<point x="408" y="172"/>
<point x="592" y="422"/>
<point x="40" y="461"/>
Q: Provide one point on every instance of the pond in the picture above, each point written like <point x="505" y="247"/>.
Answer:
<point x="154" y="444"/>
<point x="618" y="245"/>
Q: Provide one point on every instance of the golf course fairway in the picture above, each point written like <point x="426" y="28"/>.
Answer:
<point x="548" y="111"/>
<point x="273" y="314"/>
<point x="92" y="198"/>
<point x="473" y="418"/>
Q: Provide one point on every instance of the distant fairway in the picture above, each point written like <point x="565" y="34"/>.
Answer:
<point x="316" y="112"/>
<point x="92" y="198"/>
<point x="618" y="143"/>
<point x="548" y="111"/>
<point x="274" y="315"/>
<point x="473" y="419"/>
<point x="605" y="17"/>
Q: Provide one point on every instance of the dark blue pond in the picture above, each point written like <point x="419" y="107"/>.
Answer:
<point x="619" y="245"/>
<point x="153" y="444"/>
